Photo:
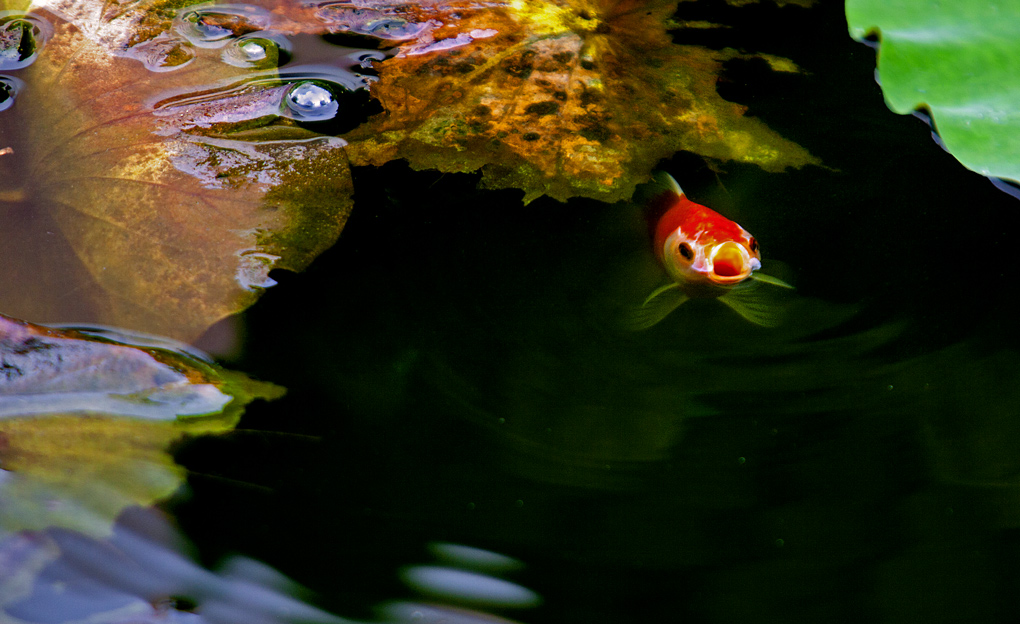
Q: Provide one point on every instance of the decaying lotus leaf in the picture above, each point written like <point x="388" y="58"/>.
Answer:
<point x="154" y="187"/>
<point x="85" y="423"/>
<point x="557" y="97"/>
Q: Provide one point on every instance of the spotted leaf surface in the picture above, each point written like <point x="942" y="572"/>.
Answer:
<point x="557" y="97"/>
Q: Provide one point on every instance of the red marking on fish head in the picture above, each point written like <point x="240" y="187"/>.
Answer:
<point x="697" y="245"/>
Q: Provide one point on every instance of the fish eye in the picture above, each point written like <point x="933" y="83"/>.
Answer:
<point x="686" y="251"/>
<point x="753" y="245"/>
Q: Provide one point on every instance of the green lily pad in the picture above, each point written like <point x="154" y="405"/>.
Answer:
<point x="957" y="59"/>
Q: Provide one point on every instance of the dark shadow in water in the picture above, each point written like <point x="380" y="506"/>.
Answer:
<point x="459" y="356"/>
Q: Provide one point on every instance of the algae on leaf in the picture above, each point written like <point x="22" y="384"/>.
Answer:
<point x="959" y="60"/>
<point x="154" y="186"/>
<point x="85" y="423"/>
<point x="556" y="97"/>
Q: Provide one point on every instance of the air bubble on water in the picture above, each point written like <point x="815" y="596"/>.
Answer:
<point x="312" y="101"/>
<point x="253" y="269"/>
<point x="393" y="28"/>
<point x="254" y="52"/>
<point x="9" y="88"/>
<point x="367" y="59"/>
<point x="21" y="38"/>
<point x="380" y="24"/>
<point x="216" y="26"/>
<point x="310" y="96"/>
<point x="163" y="53"/>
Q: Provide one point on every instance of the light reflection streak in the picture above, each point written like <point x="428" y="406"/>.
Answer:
<point x="144" y="574"/>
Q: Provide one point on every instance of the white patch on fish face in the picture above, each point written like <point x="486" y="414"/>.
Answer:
<point x="681" y="267"/>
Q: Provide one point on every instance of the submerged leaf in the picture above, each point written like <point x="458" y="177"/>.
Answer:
<point x="85" y="423"/>
<point x="957" y="59"/>
<point x="155" y="186"/>
<point x="557" y="97"/>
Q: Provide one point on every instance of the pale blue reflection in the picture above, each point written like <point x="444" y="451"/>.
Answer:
<point x="474" y="558"/>
<point x="63" y="374"/>
<point x="138" y="575"/>
<point x="143" y="574"/>
<point x="470" y="587"/>
<point x="468" y="578"/>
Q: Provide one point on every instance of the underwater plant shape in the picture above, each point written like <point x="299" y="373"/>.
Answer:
<point x="558" y="97"/>
<point x="958" y="60"/>
<point x="86" y="421"/>
<point x="156" y="200"/>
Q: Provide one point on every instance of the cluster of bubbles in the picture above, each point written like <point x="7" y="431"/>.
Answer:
<point x="22" y="36"/>
<point x="379" y="24"/>
<point x="244" y="37"/>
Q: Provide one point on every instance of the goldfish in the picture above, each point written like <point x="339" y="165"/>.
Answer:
<point x="705" y="255"/>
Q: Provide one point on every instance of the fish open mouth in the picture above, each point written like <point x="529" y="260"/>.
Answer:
<point x="730" y="263"/>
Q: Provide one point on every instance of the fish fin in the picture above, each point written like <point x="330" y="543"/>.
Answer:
<point x="749" y="301"/>
<point x="770" y="279"/>
<point x="655" y="307"/>
<point x="665" y="182"/>
<point x="662" y="188"/>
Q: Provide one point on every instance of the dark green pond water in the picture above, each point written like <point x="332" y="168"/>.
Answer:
<point x="456" y="375"/>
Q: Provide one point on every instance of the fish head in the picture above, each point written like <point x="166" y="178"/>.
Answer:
<point x="708" y="257"/>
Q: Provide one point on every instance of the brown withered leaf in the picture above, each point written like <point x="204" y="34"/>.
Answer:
<point x="139" y="188"/>
<point x="556" y="97"/>
<point x="85" y="422"/>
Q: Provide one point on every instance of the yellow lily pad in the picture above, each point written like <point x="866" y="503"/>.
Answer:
<point x="86" y="422"/>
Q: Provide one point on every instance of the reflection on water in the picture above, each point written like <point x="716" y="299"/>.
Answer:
<point x="468" y="578"/>
<point x="144" y="572"/>
<point x="141" y="573"/>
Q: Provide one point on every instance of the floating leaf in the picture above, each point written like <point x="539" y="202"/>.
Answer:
<point x="85" y="422"/>
<point x="557" y="97"/>
<point x="154" y="186"/>
<point x="957" y="59"/>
